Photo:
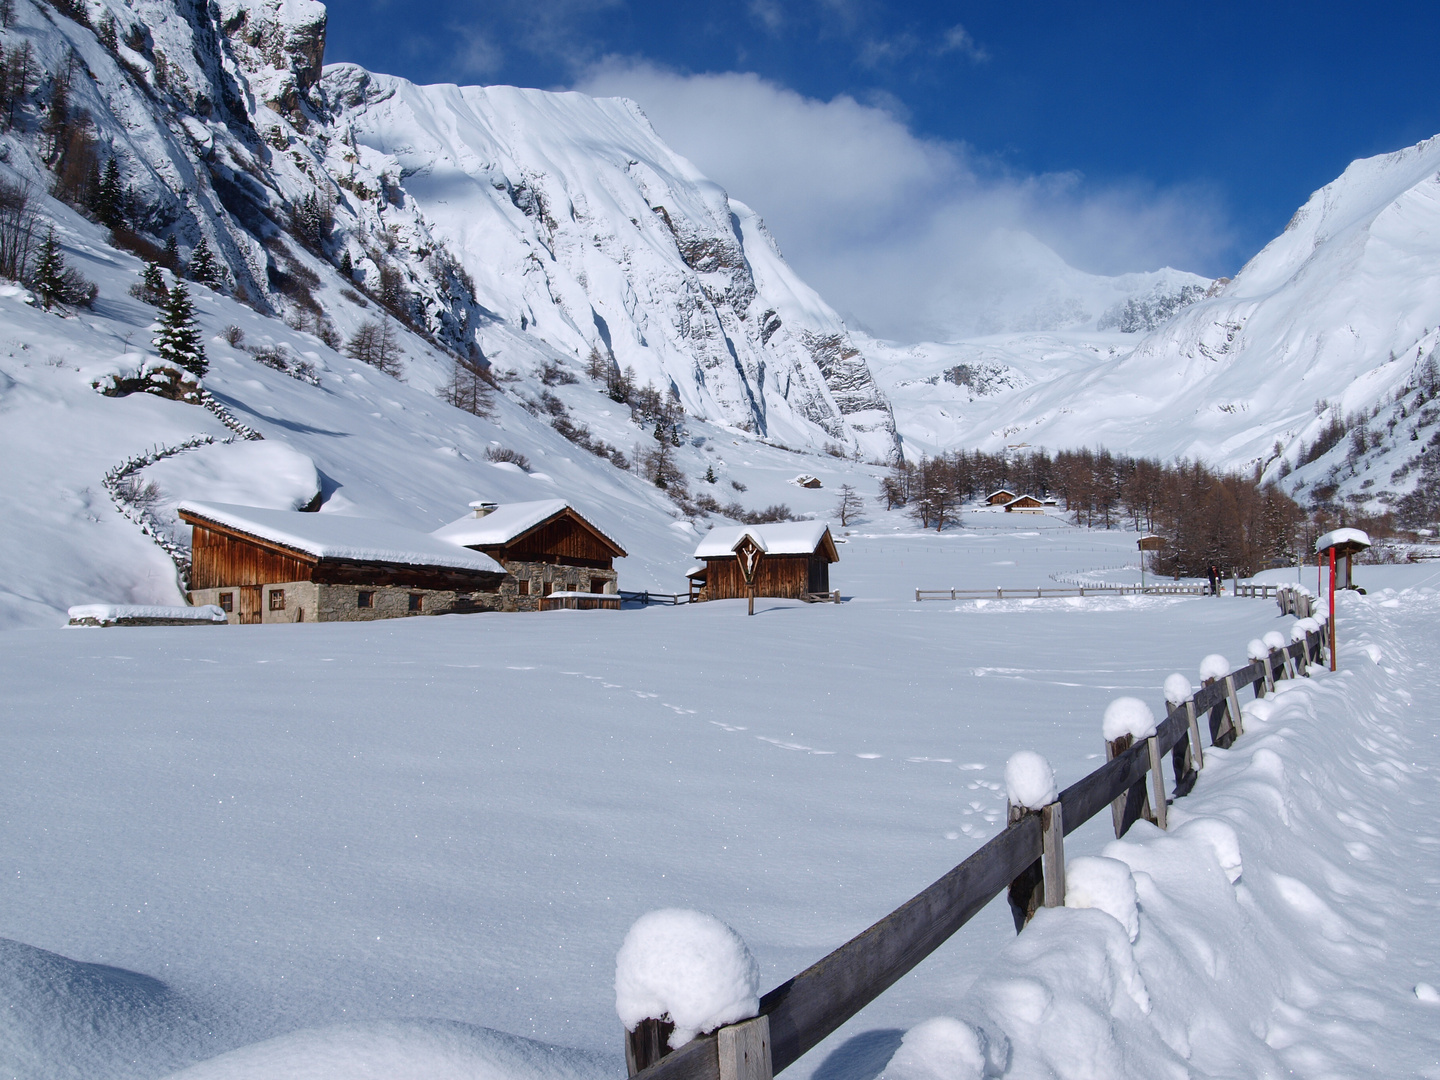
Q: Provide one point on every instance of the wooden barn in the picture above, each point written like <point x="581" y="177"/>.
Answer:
<point x="795" y="562"/>
<point x="546" y="547"/>
<point x="282" y="566"/>
<point x="1001" y="497"/>
<point x="1025" y="504"/>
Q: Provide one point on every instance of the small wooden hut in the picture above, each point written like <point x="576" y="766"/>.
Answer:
<point x="1025" y="504"/>
<point x="546" y="547"/>
<point x="1001" y="497"/>
<point x="795" y="562"/>
<point x="280" y="566"/>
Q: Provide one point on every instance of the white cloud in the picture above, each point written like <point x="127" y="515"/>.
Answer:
<point x="909" y="236"/>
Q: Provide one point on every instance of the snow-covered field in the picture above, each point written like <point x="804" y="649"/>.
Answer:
<point x="426" y="828"/>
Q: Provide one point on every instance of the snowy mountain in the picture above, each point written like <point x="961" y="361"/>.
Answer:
<point x="1326" y="333"/>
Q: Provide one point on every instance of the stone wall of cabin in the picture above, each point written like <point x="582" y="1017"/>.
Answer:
<point x="307" y="601"/>
<point x="541" y="579"/>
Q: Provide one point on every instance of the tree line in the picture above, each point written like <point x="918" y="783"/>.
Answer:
<point x="1206" y="517"/>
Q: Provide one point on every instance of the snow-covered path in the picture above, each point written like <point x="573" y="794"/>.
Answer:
<point x="458" y="818"/>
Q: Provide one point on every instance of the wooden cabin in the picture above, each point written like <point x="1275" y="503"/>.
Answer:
<point x="795" y="563"/>
<point x="545" y="547"/>
<point x="1001" y="497"/>
<point x="1025" y="504"/>
<point x="283" y="566"/>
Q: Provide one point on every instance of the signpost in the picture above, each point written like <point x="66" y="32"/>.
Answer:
<point x="1347" y="542"/>
<point x="748" y="550"/>
<point x="1148" y="542"/>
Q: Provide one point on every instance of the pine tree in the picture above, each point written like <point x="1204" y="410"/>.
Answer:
<point x="179" y="340"/>
<point x="110" y="198"/>
<point x="152" y="285"/>
<point x="170" y="258"/>
<point x="49" y="280"/>
<point x="204" y="267"/>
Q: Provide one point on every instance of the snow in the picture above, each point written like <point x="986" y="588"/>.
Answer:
<point x="941" y="1048"/>
<point x="501" y="525"/>
<point x="1256" y="649"/>
<point x="1301" y="627"/>
<point x="1273" y="640"/>
<point x="1128" y="716"/>
<point x="1220" y="837"/>
<point x="1107" y="885"/>
<point x="1214" y="666"/>
<point x="784" y="538"/>
<point x="1177" y="689"/>
<point x="106" y="614"/>
<point x="461" y="817"/>
<point x="1427" y="993"/>
<point x="330" y="536"/>
<point x="687" y="967"/>
<point x="1335" y="537"/>
<point x="1029" y="780"/>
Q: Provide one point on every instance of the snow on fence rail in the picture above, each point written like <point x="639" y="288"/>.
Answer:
<point x="1026" y="858"/>
<point x="1040" y="593"/>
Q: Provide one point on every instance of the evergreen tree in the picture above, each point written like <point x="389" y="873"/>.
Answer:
<point x="110" y="198"/>
<point x="49" y="282"/>
<point x="204" y="267"/>
<point x="170" y="258"/>
<point x="347" y="265"/>
<point x="179" y="340"/>
<point x="152" y="285"/>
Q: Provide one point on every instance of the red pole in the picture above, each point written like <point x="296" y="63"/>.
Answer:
<point x="1332" y="609"/>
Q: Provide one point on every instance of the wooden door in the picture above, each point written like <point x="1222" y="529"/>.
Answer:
<point x="249" y="604"/>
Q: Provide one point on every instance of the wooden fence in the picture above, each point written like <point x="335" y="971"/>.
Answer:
<point x="1039" y="593"/>
<point x="645" y="599"/>
<point x="1027" y="858"/>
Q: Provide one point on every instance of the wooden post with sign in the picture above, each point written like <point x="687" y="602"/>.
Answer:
<point x="1337" y="542"/>
<point x="748" y="551"/>
<point x="1148" y="542"/>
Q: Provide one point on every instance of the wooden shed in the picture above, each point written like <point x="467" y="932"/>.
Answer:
<point x="273" y="566"/>
<point x="1025" y="504"/>
<point x="546" y="547"/>
<point x="1001" y="497"/>
<point x="796" y="561"/>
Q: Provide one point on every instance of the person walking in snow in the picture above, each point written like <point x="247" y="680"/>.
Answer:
<point x="1214" y="572"/>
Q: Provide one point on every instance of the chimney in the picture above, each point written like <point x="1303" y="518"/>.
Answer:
<point x="482" y="508"/>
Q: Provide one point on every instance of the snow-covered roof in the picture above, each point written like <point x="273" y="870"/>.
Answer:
<point x="1337" y="537"/>
<point x="1022" y="498"/>
<point x="331" y="536"/>
<point x="505" y="523"/>
<point x="999" y="491"/>
<point x="783" y="538"/>
<point x="103" y="614"/>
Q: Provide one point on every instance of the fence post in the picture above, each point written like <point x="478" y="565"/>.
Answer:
<point x="744" y="1050"/>
<point x="647" y="1044"/>
<point x="1132" y="804"/>
<point x="1052" y="856"/>
<point x="917" y="596"/>
<point x="1194" y="725"/>
<point x="1234" y="702"/>
<point x="1222" y="729"/>
<point x="1157" y="779"/>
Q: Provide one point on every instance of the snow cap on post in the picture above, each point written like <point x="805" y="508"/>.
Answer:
<point x="1128" y="716"/>
<point x="1029" y="780"/>
<point x="1092" y="881"/>
<point x="1273" y="639"/>
<point x="1177" y="689"/>
<point x="687" y="967"/>
<point x="1214" y="666"/>
<point x="1256" y="650"/>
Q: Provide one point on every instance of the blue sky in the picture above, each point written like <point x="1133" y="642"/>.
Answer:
<point x="1124" y="136"/>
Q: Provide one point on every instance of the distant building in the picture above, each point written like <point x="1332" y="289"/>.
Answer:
<point x="546" y="548"/>
<point x="1000" y="498"/>
<point x="282" y="566"/>
<point x="1025" y="504"/>
<point x="796" y="561"/>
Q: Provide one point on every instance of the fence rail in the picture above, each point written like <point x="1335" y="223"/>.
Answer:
<point x="799" y="1013"/>
<point x="645" y="599"/>
<point x="1040" y="593"/>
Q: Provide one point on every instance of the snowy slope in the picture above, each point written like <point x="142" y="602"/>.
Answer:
<point x="1330" y="321"/>
<point x="579" y="224"/>
<point x="352" y="849"/>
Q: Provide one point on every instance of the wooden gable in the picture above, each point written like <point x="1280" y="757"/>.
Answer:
<point x="564" y="537"/>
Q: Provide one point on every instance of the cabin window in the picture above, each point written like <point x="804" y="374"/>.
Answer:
<point x="277" y="599"/>
<point x="227" y="601"/>
<point x="417" y="600"/>
<point x="597" y="584"/>
<point x="522" y="587"/>
<point x="365" y="598"/>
